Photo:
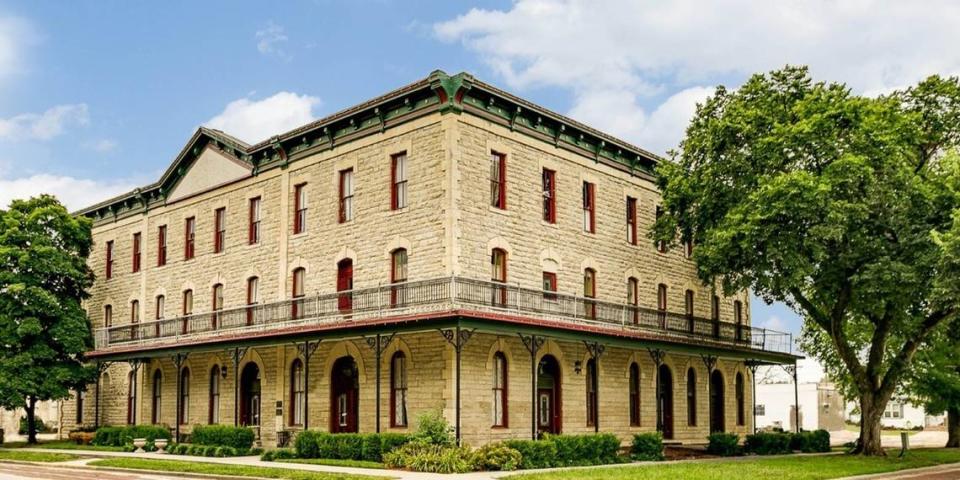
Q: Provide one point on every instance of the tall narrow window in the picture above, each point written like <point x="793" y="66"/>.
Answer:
<point x="161" y="306"/>
<point x="498" y="274"/>
<point x="591" y="392"/>
<point x="498" y="180"/>
<point x="136" y="252"/>
<point x="80" y="396"/>
<point x="134" y="312"/>
<point x="345" y="284"/>
<point x="213" y="413"/>
<point x="661" y="245"/>
<point x="217" y="304"/>
<point x="161" y="245"/>
<point x="738" y="319"/>
<point x="398" y="181"/>
<point x="299" y="276"/>
<point x="131" y="397"/>
<point x="108" y="316"/>
<point x="590" y="292"/>
<point x="662" y="304"/>
<point x="109" y="263"/>
<point x="715" y="315"/>
<point x="297" y="392"/>
<point x="398" y="390"/>
<point x="549" y="196"/>
<point x="253" y="298"/>
<point x="738" y="389"/>
<point x="157" y="391"/>
<point x="549" y="285"/>
<point x="691" y="398"/>
<point x="253" y="230"/>
<point x="688" y="248"/>
<point x="398" y="277"/>
<point x="300" y="208"/>
<point x="634" y="395"/>
<point x="346" y="195"/>
<point x="219" y="229"/>
<point x="190" y="236"/>
<point x="187" y="310"/>
<point x="499" y="390"/>
<point x="631" y="220"/>
<point x="184" y="414"/>
<point x="633" y="298"/>
<point x="589" y="208"/>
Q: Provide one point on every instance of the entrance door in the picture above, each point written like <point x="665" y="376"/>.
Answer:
<point x="344" y="396"/>
<point x="344" y="284"/>
<point x="666" y="401"/>
<point x="250" y="395"/>
<point x="549" y="419"/>
<point x="716" y="402"/>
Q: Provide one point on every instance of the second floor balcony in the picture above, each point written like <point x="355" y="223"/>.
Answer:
<point x="438" y="295"/>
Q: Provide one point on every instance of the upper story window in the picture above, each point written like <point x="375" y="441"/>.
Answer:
<point x="590" y="292"/>
<point x="631" y="220"/>
<point x="160" y="307"/>
<point x="108" y="316"/>
<point x="219" y="229"/>
<point x="738" y="318"/>
<point x="661" y="245"/>
<point x="109" y="263"/>
<point x="398" y="275"/>
<point x="715" y="309"/>
<point x="161" y="245"/>
<point x="299" y="208"/>
<point x="589" y="208"/>
<point x="688" y="248"/>
<point x="346" y="195"/>
<point x="135" y="311"/>
<point x="188" y="302"/>
<point x="662" y="297"/>
<point x="549" y="196"/>
<point x="398" y="181"/>
<point x="549" y="285"/>
<point x="217" y="305"/>
<point x="498" y="274"/>
<point x="299" y="276"/>
<point x="253" y="231"/>
<point x="498" y="180"/>
<point x="136" y="252"/>
<point x="253" y="297"/>
<point x="633" y="297"/>
<point x="189" y="237"/>
<point x="688" y="303"/>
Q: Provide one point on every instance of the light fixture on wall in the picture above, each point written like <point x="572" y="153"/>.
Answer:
<point x="578" y="367"/>
<point x="223" y="371"/>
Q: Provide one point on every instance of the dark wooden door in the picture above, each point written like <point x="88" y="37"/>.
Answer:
<point x="344" y="396"/>
<point x="250" y="395"/>
<point x="665" y="379"/>
<point x="716" y="402"/>
<point x="549" y="399"/>
<point x="345" y="284"/>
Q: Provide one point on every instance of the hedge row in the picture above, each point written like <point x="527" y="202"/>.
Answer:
<point x="347" y="446"/>
<point x="567" y="450"/>
<point x="120" y="436"/>
<point x="769" y="443"/>
<point x="239" y="438"/>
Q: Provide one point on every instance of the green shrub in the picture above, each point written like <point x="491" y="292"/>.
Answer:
<point x="647" y="447"/>
<point x="240" y="438"/>
<point x="108" y="437"/>
<point x="495" y="456"/>
<point x="420" y="456"/>
<point x="347" y="446"/>
<point x="579" y="450"/>
<point x="278" y="454"/>
<point x="811" y="442"/>
<point x="433" y="429"/>
<point x="120" y="436"/>
<point x="37" y="423"/>
<point x="768" y="443"/>
<point x="534" y="453"/>
<point x="723" y="444"/>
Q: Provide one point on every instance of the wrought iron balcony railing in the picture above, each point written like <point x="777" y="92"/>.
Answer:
<point x="437" y="295"/>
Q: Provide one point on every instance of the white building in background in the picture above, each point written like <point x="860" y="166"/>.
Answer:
<point x="821" y="406"/>
<point x="900" y="414"/>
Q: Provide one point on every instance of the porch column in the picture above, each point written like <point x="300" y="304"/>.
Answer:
<point x="796" y="398"/>
<point x="711" y="363"/>
<point x="236" y="354"/>
<point x="135" y="366"/>
<point x="596" y="350"/>
<point x="96" y="401"/>
<point x="752" y="365"/>
<point x="178" y="360"/>
<point x="379" y="344"/>
<point x="533" y="343"/>
<point x="457" y="338"/>
<point x="306" y="350"/>
<point x="657" y="356"/>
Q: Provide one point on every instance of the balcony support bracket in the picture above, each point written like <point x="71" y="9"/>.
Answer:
<point x="306" y="350"/>
<point x="378" y="343"/>
<point x="533" y="343"/>
<point x="657" y="356"/>
<point x="457" y="338"/>
<point x="236" y="354"/>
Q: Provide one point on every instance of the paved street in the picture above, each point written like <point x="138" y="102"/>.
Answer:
<point x="943" y="472"/>
<point x="12" y="471"/>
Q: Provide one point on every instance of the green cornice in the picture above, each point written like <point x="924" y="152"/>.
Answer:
<point x="460" y="93"/>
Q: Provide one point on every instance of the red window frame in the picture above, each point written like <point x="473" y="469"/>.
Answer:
<point x="632" y="220"/>
<point x="253" y="230"/>
<point x="109" y="262"/>
<point x="216" y="304"/>
<point x="398" y="276"/>
<point x="549" y="187"/>
<point x="187" y="301"/>
<point x="633" y="298"/>
<point x="346" y="200"/>
<point x="499" y="275"/>
<point x="219" y="229"/>
<point x="136" y="252"/>
<point x="345" y="284"/>
<point x="189" y="237"/>
<point x="297" y="292"/>
<point x="589" y="207"/>
<point x="399" y="387"/>
<point x="498" y="180"/>
<point x="253" y="297"/>
<point x="161" y="245"/>
<point x="299" y="208"/>
<point x="398" y="183"/>
<point x="297" y="393"/>
<point x="662" y="304"/>
<point x="590" y="292"/>
<point x="549" y="285"/>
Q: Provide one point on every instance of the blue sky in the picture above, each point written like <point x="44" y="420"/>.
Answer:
<point x="96" y="97"/>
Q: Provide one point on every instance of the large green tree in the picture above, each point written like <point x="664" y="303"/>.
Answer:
<point x="839" y="205"/>
<point x="43" y="328"/>
<point x="935" y="382"/>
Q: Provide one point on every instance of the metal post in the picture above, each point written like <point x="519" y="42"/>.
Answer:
<point x="236" y="354"/>
<point x="96" y="401"/>
<point x="533" y="344"/>
<point x="379" y="344"/>
<point x="657" y="356"/>
<point x="796" y="398"/>
<point x="711" y="363"/>
<point x="306" y="350"/>
<point x="457" y="338"/>
<point x="178" y="360"/>
<point x="377" y="355"/>
<point x="596" y="350"/>
<point x="752" y="365"/>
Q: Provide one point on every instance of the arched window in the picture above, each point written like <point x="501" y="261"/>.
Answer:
<point x="134" y="319"/>
<point x="590" y="292"/>
<point x="157" y="389"/>
<point x="217" y="304"/>
<point x="739" y="392"/>
<point x="691" y="397"/>
<point x="213" y="413"/>
<point x="633" y="298"/>
<point x="715" y="315"/>
<point x="187" y="309"/>
<point x="591" y="392"/>
<point x="398" y="390"/>
<point x="131" y="397"/>
<point x="500" y="390"/>
<point x="108" y="316"/>
<point x="498" y="274"/>
<point x="253" y="298"/>
<point x="398" y="276"/>
<point x="738" y="318"/>
<point x="299" y="277"/>
<point x="688" y="309"/>
<point x="297" y="392"/>
<point x="159" y="313"/>
<point x="662" y="304"/>
<point x="345" y="284"/>
<point x="634" y="395"/>
<point x="80" y="396"/>
<point x="184" y="414"/>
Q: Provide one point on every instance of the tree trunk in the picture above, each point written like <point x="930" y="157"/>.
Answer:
<point x="953" y="427"/>
<point x="31" y="420"/>
<point x="870" y="412"/>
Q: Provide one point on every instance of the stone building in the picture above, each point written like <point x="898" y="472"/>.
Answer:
<point x="446" y="245"/>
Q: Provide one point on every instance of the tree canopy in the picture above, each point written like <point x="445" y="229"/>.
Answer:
<point x="842" y="206"/>
<point x="43" y="279"/>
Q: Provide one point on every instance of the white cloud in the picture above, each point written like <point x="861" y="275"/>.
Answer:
<point x="773" y="323"/>
<point x="15" y="35"/>
<point x="75" y="193"/>
<point x="269" y="40"/>
<point x="103" y="145"/>
<point x="620" y="54"/>
<point x="256" y="120"/>
<point x="43" y="126"/>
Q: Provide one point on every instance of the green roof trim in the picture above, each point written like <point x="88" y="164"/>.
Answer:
<point x="456" y="94"/>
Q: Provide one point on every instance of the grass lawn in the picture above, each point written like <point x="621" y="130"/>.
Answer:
<point x="335" y="463"/>
<point x="35" y="456"/>
<point x="222" y="469"/>
<point x="63" y="445"/>
<point x="783" y="468"/>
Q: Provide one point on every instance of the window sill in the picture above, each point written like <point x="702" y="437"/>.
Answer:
<point x="548" y="224"/>
<point x="499" y="211"/>
<point x="297" y="235"/>
<point x="397" y="211"/>
<point x="499" y="427"/>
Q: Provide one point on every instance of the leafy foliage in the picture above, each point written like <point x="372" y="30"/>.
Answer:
<point x="723" y="444"/>
<point x="347" y="446"/>
<point x="120" y="436"/>
<point x="240" y="438"/>
<point x="495" y="456"/>
<point x="767" y="443"/>
<point x="647" y="447"/>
